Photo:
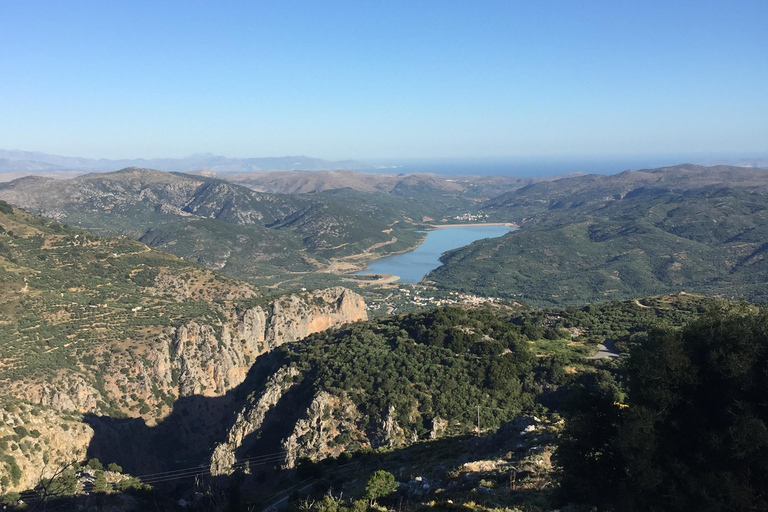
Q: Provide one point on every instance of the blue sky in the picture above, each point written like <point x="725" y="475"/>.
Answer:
<point x="376" y="80"/>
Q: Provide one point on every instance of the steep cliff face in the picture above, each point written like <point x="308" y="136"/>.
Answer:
<point x="195" y="358"/>
<point x="330" y="425"/>
<point x="211" y="362"/>
<point x="35" y="441"/>
<point x="250" y="419"/>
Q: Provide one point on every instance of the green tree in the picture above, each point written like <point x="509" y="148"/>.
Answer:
<point x="382" y="483"/>
<point x="64" y="484"/>
<point x="100" y="483"/>
<point x="11" y="498"/>
<point x="13" y="469"/>
<point x="587" y="450"/>
<point x="693" y="434"/>
<point x="114" y="468"/>
<point x="696" y="434"/>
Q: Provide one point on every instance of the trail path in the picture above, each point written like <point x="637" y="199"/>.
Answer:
<point x="605" y="350"/>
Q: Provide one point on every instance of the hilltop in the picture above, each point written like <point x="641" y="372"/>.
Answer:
<point x="590" y="238"/>
<point x="402" y="185"/>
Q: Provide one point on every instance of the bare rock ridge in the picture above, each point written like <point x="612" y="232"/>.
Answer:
<point x="330" y="424"/>
<point x="250" y="419"/>
<point x="210" y="366"/>
<point x="313" y="435"/>
<point x="203" y="359"/>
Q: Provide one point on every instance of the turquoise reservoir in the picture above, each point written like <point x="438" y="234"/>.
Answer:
<point x="412" y="266"/>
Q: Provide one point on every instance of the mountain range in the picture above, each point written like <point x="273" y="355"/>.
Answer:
<point x="169" y="369"/>
<point x="214" y="222"/>
<point x="34" y="161"/>
<point x="581" y="237"/>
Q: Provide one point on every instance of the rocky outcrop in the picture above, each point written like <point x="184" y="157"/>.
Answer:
<point x="391" y="433"/>
<point x="439" y="427"/>
<point x="250" y="419"/>
<point x="211" y="362"/>
<point x="36" y="441"/>
<point x="295" y="317"/>
<point x="330" y="425"/>
<point x="70" y="393"/>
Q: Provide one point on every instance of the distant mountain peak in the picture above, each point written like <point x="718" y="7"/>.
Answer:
<point x="29" y="161"/>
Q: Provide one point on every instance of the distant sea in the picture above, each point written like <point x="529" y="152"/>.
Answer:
<point x="544" y="167"/>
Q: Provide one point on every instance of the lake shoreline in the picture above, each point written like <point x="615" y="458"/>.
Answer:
<point x="433" y="249"/>
<point x="475" y="225"/>
<point x="354" y="265"/>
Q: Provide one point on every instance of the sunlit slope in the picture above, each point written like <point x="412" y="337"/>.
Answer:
<point x="596" y="238"/>
<point x="219" y="224"/>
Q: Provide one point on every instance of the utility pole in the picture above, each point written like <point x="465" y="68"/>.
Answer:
<point x="478" y="421"/>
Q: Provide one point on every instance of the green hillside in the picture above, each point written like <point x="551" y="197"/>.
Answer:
<point x="224" y="226"/>
<point x="69" y="298"/>
<point x="597" y="238"/>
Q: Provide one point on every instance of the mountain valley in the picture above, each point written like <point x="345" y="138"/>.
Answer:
<point x="197" y="375"/>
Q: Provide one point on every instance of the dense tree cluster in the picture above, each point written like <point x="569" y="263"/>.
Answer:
<point x="443" y="363"/>
<point x="691" y="433"/>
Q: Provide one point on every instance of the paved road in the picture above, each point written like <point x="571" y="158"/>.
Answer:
<point x="605" y="350"/>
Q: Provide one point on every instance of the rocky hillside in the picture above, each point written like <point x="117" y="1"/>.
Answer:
<point x="221" y="225"/>
<point x="108" y="326"/>
<point x="35" y="440"/>
<point x="423" y="376"/>
<point x="200" y="356"/>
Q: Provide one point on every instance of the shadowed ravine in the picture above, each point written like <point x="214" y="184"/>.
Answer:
<point x="187" y="436"/>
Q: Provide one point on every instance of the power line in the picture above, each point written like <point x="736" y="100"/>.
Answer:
<point x="282" y="452"/>
<point x="207" y="471"/>
<point x="257" y="460"/>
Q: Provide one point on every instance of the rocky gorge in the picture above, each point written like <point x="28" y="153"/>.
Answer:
<point x="186" y="364"/>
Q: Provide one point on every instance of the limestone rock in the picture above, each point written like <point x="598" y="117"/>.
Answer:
<point x="327" y="419"/>
<point x="196" y="358"/>
<point x="250" y="419"/>
<point x="44" y="439"/>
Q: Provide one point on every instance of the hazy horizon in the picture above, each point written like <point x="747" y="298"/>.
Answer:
<point x="505" y="166"/>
